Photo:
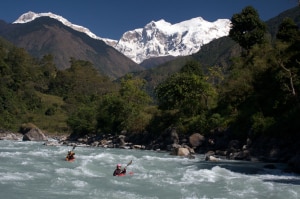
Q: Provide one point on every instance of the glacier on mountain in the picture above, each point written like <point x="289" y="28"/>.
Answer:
<point x="161" y="38"/>
<point x="157" y="38"/>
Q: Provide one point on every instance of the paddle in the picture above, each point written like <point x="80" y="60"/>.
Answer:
<point x="129" y="163"/>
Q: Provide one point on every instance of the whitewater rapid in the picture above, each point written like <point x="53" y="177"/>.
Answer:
<point x="31" y="170"/>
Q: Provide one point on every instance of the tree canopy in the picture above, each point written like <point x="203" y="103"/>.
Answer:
<point x="247" y="28"/>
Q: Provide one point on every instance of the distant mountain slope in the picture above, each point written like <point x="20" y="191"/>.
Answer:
<point x="273" y="23"/>
<point x="216" y="53"/>
<point x="156" y="61"/>
<point x="46" y="35"/>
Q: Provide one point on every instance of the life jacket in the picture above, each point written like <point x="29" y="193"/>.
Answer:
<point x="119" y="171"/>
<point x="70" y="156"/>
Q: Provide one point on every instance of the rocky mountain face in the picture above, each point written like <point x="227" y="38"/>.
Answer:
<point x="160" y="38"/>
<point x="46" y="35"/>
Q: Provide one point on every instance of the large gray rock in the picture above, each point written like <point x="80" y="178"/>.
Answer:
<point x="174" y="136"/>
<point x="34" y="134"/>
<point x="212" y="158"/>
<point x="180" y="151"/>
<point x="122" y="142"/>
<point x="196" y="139"/>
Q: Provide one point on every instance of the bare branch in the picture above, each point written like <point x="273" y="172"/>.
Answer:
<point x="290" y="77"/>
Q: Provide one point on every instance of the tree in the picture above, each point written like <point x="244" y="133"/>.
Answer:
<point x="287" y="30"/>
<point x="48" y="67"/>
<point x="133" y="90"/>
<point x="109" y="114"/>
<point x="47" y="73"/>
<point x="247" y="28"/>
<point x="186" y="91"/>
<point x="83" y="121"/>
<point x="124" y="110"/>
<point x="192" y="67"/>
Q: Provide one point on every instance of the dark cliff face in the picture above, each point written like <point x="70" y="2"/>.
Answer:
<point x="45" y="35"/>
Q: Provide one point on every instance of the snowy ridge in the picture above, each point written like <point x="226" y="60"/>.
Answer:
<point x="157" y="38"/>
<point x="161" y="38"/>
<point x="30" y="16"/>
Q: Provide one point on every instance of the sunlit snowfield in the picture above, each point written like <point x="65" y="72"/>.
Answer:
<point x="31" y="170"/>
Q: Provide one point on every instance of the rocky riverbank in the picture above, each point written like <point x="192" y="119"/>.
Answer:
<point x="215" y="148"/>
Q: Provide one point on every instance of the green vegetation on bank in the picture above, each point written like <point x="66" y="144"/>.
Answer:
<point x="257" y="94"/>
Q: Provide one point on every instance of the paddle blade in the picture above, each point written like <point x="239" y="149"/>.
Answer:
<point x="129" y="163"/>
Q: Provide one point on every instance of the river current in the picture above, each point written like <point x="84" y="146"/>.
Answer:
<point x="31" y="170"/>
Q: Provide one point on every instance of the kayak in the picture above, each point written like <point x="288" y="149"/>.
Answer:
<point x="124" y="174"/>
<point x="70" y="160"/>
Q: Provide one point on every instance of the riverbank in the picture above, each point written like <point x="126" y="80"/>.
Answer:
<point x="214" y="149"/>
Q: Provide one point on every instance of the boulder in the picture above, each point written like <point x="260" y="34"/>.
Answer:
<point x="122" y="142"/>
<point x="240" y="155"/>
<point x="174" y="136"/>
<point x="234" y="145"/>
<point x="209" y="153"/>
<point x="180" y="151"/>
<point x="196" y="140"/>
<point x="137" y="146"/>
<point x="211" y="158"/>
<point x="34" y="134"/>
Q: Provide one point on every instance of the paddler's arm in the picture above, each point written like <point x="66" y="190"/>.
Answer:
<point x="115" y="173"/>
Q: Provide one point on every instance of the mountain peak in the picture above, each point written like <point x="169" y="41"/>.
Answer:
<point x="30" y="16"/>
<point x="161" y="38"/>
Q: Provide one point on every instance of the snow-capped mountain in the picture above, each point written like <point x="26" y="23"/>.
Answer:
<point x="30" y="16"/>
<point x="156" y="39"/>
<point x="164" y="39"/>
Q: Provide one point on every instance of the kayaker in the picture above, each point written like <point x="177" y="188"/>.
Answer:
<point x="70" y="155"/>
<point x="119" y="171"/>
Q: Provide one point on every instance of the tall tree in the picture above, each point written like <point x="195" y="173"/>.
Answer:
<point x="124" y="110"/>
<point x="247" y="28"/>
<point x="186" y="91"/>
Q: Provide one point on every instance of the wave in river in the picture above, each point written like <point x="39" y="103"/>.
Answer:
<point x="32" y="170"/>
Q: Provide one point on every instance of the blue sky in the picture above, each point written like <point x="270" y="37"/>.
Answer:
<point x="111" y="18"/>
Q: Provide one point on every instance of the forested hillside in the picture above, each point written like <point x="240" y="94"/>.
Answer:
<point x="36" y="91"/>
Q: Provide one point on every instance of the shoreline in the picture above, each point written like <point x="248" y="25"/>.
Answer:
<point x="214" y="155"/>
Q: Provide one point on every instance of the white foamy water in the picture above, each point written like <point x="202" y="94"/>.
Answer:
<point x="30" y="170"/>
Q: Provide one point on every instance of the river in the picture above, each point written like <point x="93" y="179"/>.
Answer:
<point x="31" y="170"/>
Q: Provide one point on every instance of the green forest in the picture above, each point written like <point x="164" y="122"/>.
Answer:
<point x="257" y="95"/>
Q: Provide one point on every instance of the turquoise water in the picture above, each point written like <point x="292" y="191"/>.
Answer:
<point x="30" y="170"/>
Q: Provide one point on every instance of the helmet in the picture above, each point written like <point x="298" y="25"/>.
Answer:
<point x="119" y="165"/>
